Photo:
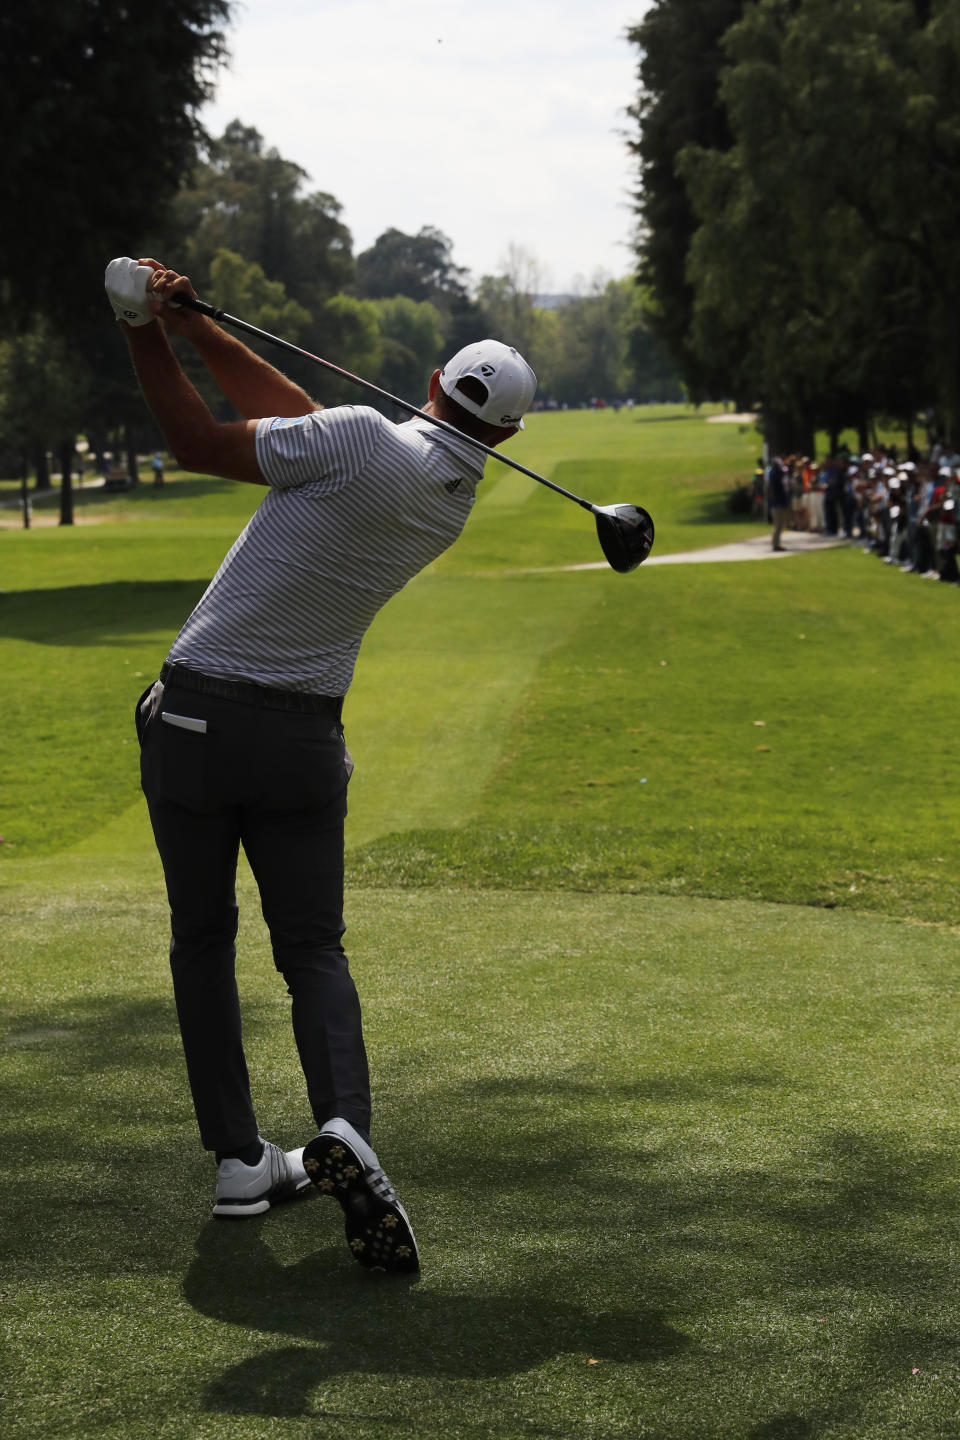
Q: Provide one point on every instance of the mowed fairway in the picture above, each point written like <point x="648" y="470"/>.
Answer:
<point x="652" y="909"/>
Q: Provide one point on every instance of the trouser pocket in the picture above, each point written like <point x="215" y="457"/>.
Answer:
<point x="147" y="707"/>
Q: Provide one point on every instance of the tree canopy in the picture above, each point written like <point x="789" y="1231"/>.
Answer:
<point x="244" y="196"/>
<point x="419" y="266"/>
<point x="817" y="274"/>
<point x="98" y="111"/>
<point x="412" y="345"/>
<point x="678" y="105"/>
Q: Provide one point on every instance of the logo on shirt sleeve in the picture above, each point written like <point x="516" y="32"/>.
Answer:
<point x="284" y="422"/>
<point x="451" y="486"/>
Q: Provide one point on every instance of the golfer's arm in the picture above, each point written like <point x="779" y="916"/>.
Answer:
<point x="197" y="441"/>
<point x="252" y="386"/>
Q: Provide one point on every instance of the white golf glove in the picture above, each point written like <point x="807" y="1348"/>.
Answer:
<point x="126" y="285"/>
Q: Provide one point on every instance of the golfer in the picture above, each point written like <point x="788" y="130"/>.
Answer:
<point x="241" y="736"/>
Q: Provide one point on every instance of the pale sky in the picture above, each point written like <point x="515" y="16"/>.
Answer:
<point x="498" y="121"/>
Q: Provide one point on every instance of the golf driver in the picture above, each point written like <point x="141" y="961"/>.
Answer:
<point x="625" y="531"/>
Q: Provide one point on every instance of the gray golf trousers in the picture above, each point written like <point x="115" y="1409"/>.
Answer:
<point x="221" y="766"/>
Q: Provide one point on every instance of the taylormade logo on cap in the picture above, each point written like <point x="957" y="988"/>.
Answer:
<point x="495" y="371"/>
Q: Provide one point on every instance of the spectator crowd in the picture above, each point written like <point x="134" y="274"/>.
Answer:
<point x="904" y="511"/>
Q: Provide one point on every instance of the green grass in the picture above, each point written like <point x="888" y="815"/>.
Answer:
<point x="780" y="731"/>
<point x="642" y="1114"/>
<point x="708" y="1145"/>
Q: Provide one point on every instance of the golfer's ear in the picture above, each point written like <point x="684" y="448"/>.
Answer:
<point x="434" y="385"/>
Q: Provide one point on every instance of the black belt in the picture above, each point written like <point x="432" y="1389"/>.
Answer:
<point x="246" y="693"/>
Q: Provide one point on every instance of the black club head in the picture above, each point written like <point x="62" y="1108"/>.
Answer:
<point x="626" y="535"/>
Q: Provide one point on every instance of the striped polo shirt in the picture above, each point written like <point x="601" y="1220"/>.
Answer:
<point x="356" y="506"/>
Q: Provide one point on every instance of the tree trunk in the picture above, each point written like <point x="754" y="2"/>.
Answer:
<point x="25" y="490"/>
<point x="42" y="468"/>
<point x="66" y="482"/>
<point x="948" y="426"/>
<point x="130" y="446"/>
<point x="834" y="440"/>
<point x="863" y="438"/>
<point x="788" y="434"/>
<point x="98" y="444"/>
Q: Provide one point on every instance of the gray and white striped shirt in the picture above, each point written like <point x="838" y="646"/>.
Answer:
<point x="356" y="507"/>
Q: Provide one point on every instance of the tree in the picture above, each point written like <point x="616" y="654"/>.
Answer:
<point x="678" y="105"/>
<point x="654" y="378"/>
<point x="820" y="271"/>
<point x="819" y="102"/>
<point x="349" y="335"/>
<point x="411" y="337"/>
<point x="464" y="321"/>
<point x="419" y="266"/>
<point x="599" y="346"/>
<point x="507" y="300"/>
<point x="241" y="288"/>
<point x="245" y="197"/>
<point x="98" y="110"/>
<point x="43" y="398"/>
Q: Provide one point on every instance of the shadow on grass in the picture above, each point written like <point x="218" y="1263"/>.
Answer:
<point x="541" y="1173"/>
<point x="713" y="508"/>
<point x="80" y="1082"/>
<point x="93" y="496"/>
<point x="80" y="1039"/>
<point x="659" y="1246"/>
<point x="108" y="614"/>
<point x="382" y="1325"/>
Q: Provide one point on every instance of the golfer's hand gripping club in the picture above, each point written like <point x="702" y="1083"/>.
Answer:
<point x="126" y="285"/>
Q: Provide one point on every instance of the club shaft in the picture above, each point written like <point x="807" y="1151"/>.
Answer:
<point x="223" y="318"/>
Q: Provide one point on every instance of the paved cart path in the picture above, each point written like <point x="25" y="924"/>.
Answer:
<point x="757" y="548"/>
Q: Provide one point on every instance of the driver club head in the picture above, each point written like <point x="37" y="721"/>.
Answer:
<point x="626" y="535"/>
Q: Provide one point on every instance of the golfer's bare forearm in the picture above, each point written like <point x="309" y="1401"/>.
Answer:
<point x="250" y="383"/>
<point x="197" y="441"/>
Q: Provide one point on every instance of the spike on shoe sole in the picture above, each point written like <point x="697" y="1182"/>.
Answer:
<point x="378" y="1231"/>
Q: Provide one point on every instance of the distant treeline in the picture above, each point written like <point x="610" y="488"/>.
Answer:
<point x="106" y="157"/>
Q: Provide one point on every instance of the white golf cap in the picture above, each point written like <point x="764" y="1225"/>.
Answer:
<point x="506" y="379"/>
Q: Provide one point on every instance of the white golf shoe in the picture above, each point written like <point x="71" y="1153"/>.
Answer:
<point x="341" y="1164"/>
<point x="244" y="1190"/>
